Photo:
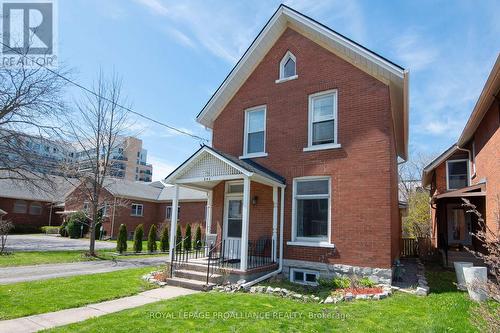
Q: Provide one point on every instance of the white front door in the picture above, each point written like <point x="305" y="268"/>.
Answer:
<point x="233" y="210"/>
<point x="459" y="225"/>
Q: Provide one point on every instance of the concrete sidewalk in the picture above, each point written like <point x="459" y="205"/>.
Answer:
<point x="49" y="271"/>
<point x="64" y="317"/>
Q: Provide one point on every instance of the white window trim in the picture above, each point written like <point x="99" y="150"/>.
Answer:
<point x="142" y="210"/>
<point x="282" y="78"/>
<point x="448" y="173"/>
<point x="311" y="241"/>
<point x="170" y="218"/>
<point x="245" y="138"/>
<point x="305" y="271"/>
<point x="335" y="144"/>
<point x="234" y="194"/>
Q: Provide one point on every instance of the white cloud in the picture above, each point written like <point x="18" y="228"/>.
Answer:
<point x="161" y="167"/>
<point x="181" y="37"/>
<point x="155" y="6"/>
<point x="413" y="52"/>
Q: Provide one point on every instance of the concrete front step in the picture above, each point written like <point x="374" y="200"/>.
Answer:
<point x="198" y="276"/>
<point x="189" y="284"/>
<point x="454" y="256"/>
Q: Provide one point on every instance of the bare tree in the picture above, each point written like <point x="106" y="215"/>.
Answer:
<point x="31" y="106"/>
<point x="97" y="133"/>
<point x="5" y="227"/>
<point x="410" y="174"/>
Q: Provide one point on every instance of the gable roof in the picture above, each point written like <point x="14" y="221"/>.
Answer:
<point x="370" y="62"/>
<point x="491" y="90"/>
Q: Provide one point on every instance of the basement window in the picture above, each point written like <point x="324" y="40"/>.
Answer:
<point x="303" y="276"/>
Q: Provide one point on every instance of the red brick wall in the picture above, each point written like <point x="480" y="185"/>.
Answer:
<point x="192" y="213"/>
<point x="362" y="171"/>
<point x="28" y="222"/>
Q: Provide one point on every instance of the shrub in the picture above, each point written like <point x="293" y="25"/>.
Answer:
<point x="188" y="241"/>
<point x="75" y="223"/>
<point x="178" y="238"/>
<point x="366" y="282"/>
<point x="197" y="238"/>
<point x="164" y="241"/>
<point x="138" y="235"/>
<point x="50" y="229"/>
<point x="62" y="229"/>
<point x="152" y="239"/>
<point x="121" y="242"/>
<point x="341" y="282"/>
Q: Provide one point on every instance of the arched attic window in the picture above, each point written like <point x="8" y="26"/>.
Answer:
<point x="288" y="68"/>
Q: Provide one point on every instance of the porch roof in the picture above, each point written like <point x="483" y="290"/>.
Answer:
<point x="208" y="166"/>
<point x="477" y="190"/>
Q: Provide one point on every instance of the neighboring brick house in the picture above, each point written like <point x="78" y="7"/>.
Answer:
<point x="469" y="169"/>
<point x="31" y="205"/>
<point x="306" y="130"/>
<point x="133" y="203"/>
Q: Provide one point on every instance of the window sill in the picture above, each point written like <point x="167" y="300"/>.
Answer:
<point x="287" y="79"/>
<point x="254" y="155"/>
<point x="137" y="215"/>
<point x="323" y="147"/>
<point x="311" y="244"/>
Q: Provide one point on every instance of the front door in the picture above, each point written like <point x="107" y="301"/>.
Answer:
<point x="459" y="225"/>
<point x="232" y="227"/>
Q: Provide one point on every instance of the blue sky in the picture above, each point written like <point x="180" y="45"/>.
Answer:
<point x="172" y="55"/>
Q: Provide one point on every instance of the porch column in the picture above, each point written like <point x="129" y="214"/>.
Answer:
<point x="244" y="223"/>
<point x="173" y="221"/>
<point x="208" y="218"/>
<point x="282" y="220"/>
<point x="275" y="222"/>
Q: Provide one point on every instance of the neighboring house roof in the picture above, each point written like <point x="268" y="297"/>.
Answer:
<point x="368" y="61"/>
<point x="185" y="194"/>
<point x="37" y="189"/>
<point x="429" y="169"/>
<point x="491" y="90"/>
<point x="246" y="167"/>
<point x="131" y="189"/>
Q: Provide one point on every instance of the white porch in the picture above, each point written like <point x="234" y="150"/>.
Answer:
<point x="204" y="171"/>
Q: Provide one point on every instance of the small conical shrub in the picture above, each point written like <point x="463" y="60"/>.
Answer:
<point x="178" y="238"/>
<point x="121" y="242"/>
<point x="138" y="235"/>
<point x="188" y="239"/>
<point x="152" y="247"/>
<point x="164" y="241"/>
<point x="197" y="238"/>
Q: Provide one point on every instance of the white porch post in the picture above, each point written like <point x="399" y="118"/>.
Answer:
<point x="282" y="218"/>
<point x="208" y="218"/>
<point x="173" y="221"/>
<point x="245" y="223"/>
<point x="275" y="222"/>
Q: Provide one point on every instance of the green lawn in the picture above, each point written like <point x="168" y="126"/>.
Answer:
<point x="53" y="257"/>
<point x="444" y="310"/>
<point x="28" y="298"/>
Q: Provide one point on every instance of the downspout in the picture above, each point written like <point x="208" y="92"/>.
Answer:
<point x="280" y="265"/>
<point x="470" y="162"/>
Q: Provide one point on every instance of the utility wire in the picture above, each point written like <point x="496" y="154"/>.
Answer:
<point x="201" y="139"/>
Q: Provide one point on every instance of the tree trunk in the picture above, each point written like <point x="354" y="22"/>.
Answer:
<point x="92" y="234"/>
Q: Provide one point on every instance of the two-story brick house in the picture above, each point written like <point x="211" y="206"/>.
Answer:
<point x="469" y="169"/>
<point x="307" y="130"/>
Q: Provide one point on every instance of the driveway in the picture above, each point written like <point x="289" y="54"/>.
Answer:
<point x="51" y="243"/>
<point x="41" y="272"/>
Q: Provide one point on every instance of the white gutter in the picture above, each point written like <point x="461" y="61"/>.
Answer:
<point x="280" y="265"/>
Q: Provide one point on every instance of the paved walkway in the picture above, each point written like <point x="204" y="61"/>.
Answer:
<point x="49" y="271"/>
<point x="43" y="242"/>
<point x="64" y="317"/>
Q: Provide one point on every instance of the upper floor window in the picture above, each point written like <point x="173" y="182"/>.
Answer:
<point x="322" y="120"/>
<point x="35" y="208"/>
<point x="137" y="209"/>
<point x="20" y="207"/>
<point x="457" y="174"/>
<point x="255" y="132"/>
<point x="288" y="68"/>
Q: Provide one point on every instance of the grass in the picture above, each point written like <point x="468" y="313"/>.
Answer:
<point x="54" y="257"/>
<point x="444" y="310"/>
<point x="28" y="298"/>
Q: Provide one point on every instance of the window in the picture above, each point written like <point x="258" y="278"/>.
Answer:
<point x="20" y="207"/>
<point x="457" y="174"/>
<point x="234" y="188"/>
<point x="137" y="210"/>
<point x="105" y="210"/>
<point x="168" y="212"/>
<point x="86" y="207"/>
<point x="35" y="208"/>
<point x="303" y="276"/>
<point x="311" y="209"/>
<point x="322" y="121"/>
<point x="255" y="132"/>
<point x="473" y="158"/>
<point x="288" y="68"/>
